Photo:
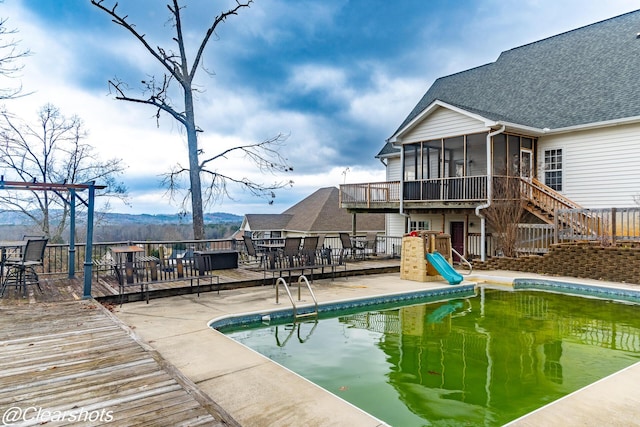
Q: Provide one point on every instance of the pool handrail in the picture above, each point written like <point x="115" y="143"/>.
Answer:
<point x="464" y="260"/>
<point x="296" y="316"/>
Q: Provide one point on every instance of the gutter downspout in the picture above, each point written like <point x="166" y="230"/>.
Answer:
<point x="483" y="231"/>
<point x="402" y="212"/>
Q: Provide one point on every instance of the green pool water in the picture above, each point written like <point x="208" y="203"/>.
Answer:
<point x="479" y="361"/>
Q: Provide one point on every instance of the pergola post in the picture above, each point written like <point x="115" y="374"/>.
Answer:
<point x="89" y="248"/>
<point x="72" y="234"/>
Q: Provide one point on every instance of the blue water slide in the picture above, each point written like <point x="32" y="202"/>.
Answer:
<point x="444" y="268"/>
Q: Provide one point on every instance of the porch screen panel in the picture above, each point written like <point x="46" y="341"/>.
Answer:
<point x="455" y="172"/>
<point x="513" y="146"/>
<point x="411" y="189"/>
<point x="410" y="160"/>
<point x="477" y="154"/>
<point x="500" y="155"/>
<point x="433" y="162"/>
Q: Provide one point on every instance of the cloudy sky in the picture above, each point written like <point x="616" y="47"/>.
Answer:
<point x="336" y="76"/>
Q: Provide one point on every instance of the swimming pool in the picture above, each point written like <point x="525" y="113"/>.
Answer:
<point x="449" y="361"/>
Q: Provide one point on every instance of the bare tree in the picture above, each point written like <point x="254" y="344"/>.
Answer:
<point x="155" y="92"/>
<point x="505" y="213"/>
<point x="51" y="151"/>
<point x="9" y="61"/>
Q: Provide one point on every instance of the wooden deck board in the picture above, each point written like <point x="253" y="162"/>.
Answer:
<point x="59" y="352"/>
<point x="71" y="356"/>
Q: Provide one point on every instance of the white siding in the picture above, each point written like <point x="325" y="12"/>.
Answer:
<point x="443" y="123"/>
<point x="600" y="167"/>
<point x="395" y="225"/>
<point x="394" y="169"/>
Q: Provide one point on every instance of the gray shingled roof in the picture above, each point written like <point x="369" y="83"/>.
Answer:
<point x="318" y="213"/>
<point x="587" y="75"/>
<point x="267" y="222"/>
<point x="321" y="212"/>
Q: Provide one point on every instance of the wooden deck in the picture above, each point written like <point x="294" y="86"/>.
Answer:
<point x="105" y="288"/>
<point x="69" y="361"/>
<point x="74" y="359"/>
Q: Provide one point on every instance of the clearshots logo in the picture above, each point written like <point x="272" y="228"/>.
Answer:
<point x="32" y="414"/>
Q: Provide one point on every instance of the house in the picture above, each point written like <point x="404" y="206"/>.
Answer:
<point x="560" y="115"/>
<point x="319" y="213"/>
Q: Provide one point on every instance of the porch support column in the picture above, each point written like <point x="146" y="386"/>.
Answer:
<point x="354" y="225"/>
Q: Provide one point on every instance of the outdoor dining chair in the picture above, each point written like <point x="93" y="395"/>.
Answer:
<point x="252" y="251"/>
<point x="33" y="237"/>
<point x="21" y="271"/>
<point x="370" y="243"/>
<point x="348" y="246"/>
<point x="291" y="251"/>
<point x="309" y="247"/>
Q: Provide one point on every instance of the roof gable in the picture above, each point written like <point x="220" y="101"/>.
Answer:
<point x="583" y="76"/>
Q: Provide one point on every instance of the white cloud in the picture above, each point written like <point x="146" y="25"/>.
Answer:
<point x="316" y="77"/>
<point x="371" y="97"/>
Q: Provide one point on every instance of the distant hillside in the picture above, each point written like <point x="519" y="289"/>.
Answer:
<point x="209" y="218"/>
<point x="16" y="218"/>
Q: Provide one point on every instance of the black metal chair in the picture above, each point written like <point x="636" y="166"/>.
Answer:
<point x="21" y="271"/>
<point x="252" y="251"/>
<point x="309" y="247"/>
<point x="33" y="237"/>
<point x="347" y="245"/>
<point x="291" y="252"/>
<point x="370" y="244"/>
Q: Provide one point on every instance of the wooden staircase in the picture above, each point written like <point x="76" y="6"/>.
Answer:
<point x="543" y="202"/>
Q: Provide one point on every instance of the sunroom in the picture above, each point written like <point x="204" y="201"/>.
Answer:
<point x="444" y="172"/>
<point x="453" y="170"/>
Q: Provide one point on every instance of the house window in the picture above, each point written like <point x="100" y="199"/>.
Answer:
<point x="418" y="225"/>
<point x="553" y="169"/>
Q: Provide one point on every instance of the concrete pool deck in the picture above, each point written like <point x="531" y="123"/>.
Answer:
<point x="257" y="392"/>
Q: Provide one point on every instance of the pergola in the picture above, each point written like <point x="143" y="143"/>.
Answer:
<point x="73" y="190"/>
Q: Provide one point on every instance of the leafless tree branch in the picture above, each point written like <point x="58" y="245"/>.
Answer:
<point x="9" y="57"/>
<point x="264" y="155"/>
<point x="51" y="151"/>
<point x="505" y="213"/>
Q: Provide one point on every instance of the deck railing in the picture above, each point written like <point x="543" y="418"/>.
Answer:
<point x="534" y="238"/>
<point x="56" y="257"/>
<point x="370" y="193"/>
<point x="607" y="225"/>
<point x="474" y="245"/>
<point x="469" y="188"/>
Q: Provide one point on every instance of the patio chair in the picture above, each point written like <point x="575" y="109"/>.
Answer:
<point x="370" y="243"/>
<point x="21" y="271"/>
<point x="252" y="251"/>
<point x="309" y="247"/>
<point x="291" y="251"/>
<point x="348" y="245"/>
<point x="33" y="237"/>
